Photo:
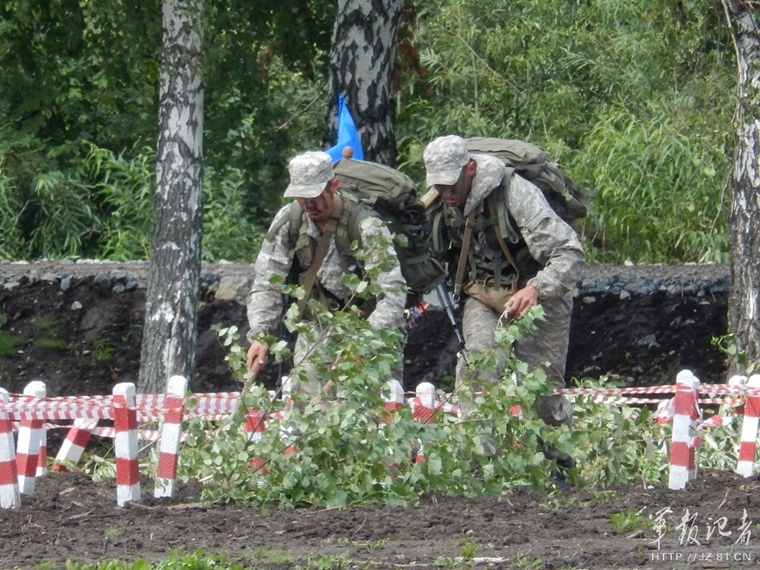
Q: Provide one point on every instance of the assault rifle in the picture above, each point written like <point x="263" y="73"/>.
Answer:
<point x="448" y="304"/>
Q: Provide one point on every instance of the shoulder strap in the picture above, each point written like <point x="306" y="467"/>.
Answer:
<point x="463" y="254"/>
<point x="506" y="228"/>
<point x="293" y="219"/>
<point x="319" y="254"/>
<point x="505" y="250"/>
<point x="349" y="223"/>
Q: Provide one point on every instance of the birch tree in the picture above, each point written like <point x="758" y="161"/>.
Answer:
<point x="744" y="300"/>
<point x="169" y="334"/>
<point x="361" y="67"/>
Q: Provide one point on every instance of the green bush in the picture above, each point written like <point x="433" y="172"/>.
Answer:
<point x="633" y="99"/>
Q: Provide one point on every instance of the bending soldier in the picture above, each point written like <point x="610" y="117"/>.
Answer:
<point x="315" y="189"/>
<point x="499" y="280"/>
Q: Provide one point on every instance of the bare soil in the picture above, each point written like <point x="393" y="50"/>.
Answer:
<point x="70" y="517"/>
<point x="87" y="348"/>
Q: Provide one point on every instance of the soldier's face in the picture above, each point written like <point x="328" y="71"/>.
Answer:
<point x="456" y="194"/>
<point x="320" y="208"/>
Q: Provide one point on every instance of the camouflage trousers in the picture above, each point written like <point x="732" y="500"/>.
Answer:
<point x="546" y="347"/>
<point x="304" y="356"/>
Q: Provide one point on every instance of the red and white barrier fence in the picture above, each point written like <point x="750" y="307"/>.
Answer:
<point x="31" y="412"/>
<point x="683" y="410"/>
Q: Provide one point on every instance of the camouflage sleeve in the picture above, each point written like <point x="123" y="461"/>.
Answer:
<point x="551" y="241"/>
<point x="265" y="302"/>
<point x="391" y="300"/>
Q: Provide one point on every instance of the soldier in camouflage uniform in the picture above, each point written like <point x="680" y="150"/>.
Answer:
<point x="548" y="260"/>
<point x="315" y="189"/>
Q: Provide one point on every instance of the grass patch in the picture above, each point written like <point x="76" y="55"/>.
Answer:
<point x="626" y="521"/>
<point x="9" y="344"/>
<point x="49" y="325"/>
<point x="47" y="329"/>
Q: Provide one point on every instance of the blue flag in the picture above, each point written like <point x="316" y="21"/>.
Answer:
<point x="347" y="134"/>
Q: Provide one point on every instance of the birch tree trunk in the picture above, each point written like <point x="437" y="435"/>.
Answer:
<point x="361" y="67"/>
<point x="744" y="299"/>
<point x="171" y="310"/>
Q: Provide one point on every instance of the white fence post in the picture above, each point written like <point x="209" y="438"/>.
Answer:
<point x="10" y="497"/>
<point x="747" y="447"/>
<point x="171" y="432"/>
<point x="394" y="397"/>
<point x="29" y="441"/>
<point x="682" y="451"/>
<point x="125" y="444"/>
<point x="424" y="401"/>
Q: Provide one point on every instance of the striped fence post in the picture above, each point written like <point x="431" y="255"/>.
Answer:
<point x="682" y="450"/>
<point x="171" y="433"/>
<point x="423" y="409"/>
<point x="748" y="444"/>
<point x="29" y="441"/>
<point x="10" y="498"/>
<point x="255" y="428"/>
<point x="286" y="388"/>
<point x="394" y="397"/>
<point x="73" y="446"/>
<point x="125" y="444"/>
<point x="424" y="403"/>
<point x="254" y="425"/>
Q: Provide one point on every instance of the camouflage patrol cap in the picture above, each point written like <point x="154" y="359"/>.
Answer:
<point x="444" y="159"/>
<point x="309" y="174"/>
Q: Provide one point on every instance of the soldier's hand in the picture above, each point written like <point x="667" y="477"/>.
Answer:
<point x="257" y="352"/>
<point x="521" y="302"/>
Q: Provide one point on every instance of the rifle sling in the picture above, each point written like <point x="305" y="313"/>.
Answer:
<point x="319" y="253"/>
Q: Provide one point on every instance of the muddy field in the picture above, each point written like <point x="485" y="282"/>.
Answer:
<point x="86" y="348"/>
<point x="70" y="517"/>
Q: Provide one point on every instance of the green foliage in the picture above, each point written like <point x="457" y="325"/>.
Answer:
<point x="660" y="192"/>
<point x="79" y="117"/>
<point x="61" y="214"/>
<point x="358" y="456"/>
<point x="123" y="184"/>
<point x="333" y="453"/>
<point x="626" y="521"/>
<point x="738" y="358"/>
<point x="9" y="343"/>
<point x="634" y="99"/>
<point x="176" y="561"/>
<point x="719" y="445"/>
<point x="617" y="91"/>
<point x="228" y="231"/>
<point x="628" y="449"/>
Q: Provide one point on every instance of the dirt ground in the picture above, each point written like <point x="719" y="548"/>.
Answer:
<point x="70" y="517"/>
<point x="87" y="348"/>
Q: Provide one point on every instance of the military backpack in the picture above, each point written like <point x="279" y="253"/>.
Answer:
<point x="367" y="187"/>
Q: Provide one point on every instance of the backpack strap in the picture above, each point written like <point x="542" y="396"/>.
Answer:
<point x="297" y="225"/>
<point x="505" y="250"/>
<point x="349" y="224"/>
<point x="319" y="254"/>
<point x="506" y="227"/>
<point x="463" y="254"/>
<point x="293" y="219"/>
